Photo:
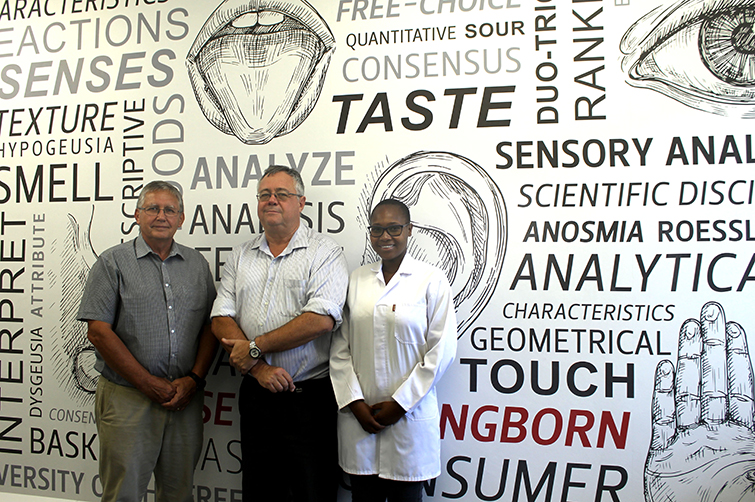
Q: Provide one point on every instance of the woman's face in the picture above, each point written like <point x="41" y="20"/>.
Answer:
<point x="387" y="246"/>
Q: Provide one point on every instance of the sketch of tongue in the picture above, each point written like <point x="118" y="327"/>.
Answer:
<point x="259" y="75"/>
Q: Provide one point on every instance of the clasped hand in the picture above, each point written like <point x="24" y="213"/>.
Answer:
<point x="377" y="417"/>
<point x="173" y="395"/>
<point x="272" y="378"/>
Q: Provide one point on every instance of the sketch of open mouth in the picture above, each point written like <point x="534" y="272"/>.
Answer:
<point x="257" y="66"/>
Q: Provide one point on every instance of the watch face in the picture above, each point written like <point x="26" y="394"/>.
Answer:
<point x="254" y="351"/>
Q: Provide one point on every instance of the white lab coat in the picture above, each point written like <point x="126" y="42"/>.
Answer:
<point x="396" y="342"/>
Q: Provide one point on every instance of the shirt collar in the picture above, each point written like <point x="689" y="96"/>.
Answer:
<point x="301" y="239"/>
<point x="142" y="248"/>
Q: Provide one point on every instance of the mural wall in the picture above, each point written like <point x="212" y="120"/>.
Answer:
<point x="581" y="170"/>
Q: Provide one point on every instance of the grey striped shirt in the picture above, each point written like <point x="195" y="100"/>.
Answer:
<point x="262" y="293"/>
<point x="158" y="308"/>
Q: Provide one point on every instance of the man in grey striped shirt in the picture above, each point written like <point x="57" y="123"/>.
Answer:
<point x="281" y="296"/>
<point x="147" y="305"/>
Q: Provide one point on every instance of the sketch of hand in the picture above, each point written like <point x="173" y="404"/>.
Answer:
<point x="703" y="444"/>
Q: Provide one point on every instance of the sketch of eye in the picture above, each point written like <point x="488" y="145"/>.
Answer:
<point x="72" y="353"/>
<point x="459" y="218"/>
<point x="257" y="66"/>
<point x="699" y="53"/>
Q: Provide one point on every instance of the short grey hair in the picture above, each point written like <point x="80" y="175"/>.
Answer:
<point x="298" y="182"/>
<point x="160" y="186"/>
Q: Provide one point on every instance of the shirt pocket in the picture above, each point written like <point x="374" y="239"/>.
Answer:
<point x="296" y="294"/>
<point x="410" y="323"/>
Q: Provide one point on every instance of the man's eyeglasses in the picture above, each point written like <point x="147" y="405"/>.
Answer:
<point x="280" y="195"/>
<point x="393" y="230"/>
<point x="169" y="212"/>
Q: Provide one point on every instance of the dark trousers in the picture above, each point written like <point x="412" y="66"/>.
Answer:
<point x="288" y="443"/>
<point x="375" y="489"/>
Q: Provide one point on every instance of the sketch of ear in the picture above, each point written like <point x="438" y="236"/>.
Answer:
<point x="257" y="66"/>
<point x="459" y="219"/>
<point x="701" y="54"/>
<point x="73" y="354"/>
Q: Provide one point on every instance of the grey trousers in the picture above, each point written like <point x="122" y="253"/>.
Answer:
<point x="138" y="438"/>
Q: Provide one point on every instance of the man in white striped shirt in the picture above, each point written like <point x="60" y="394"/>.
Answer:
<point x="280" y="298"/>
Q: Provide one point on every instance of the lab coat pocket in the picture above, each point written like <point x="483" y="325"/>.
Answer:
<point x="410" y="323"/>
<point x="427" y="409"/>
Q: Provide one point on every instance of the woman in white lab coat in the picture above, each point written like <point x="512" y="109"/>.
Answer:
<point x="397" y="339"/>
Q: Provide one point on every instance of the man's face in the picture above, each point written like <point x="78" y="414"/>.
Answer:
<point x="278" y="214"/>
<point x="159" y="228"/>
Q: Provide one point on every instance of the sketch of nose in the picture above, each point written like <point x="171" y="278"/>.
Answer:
<point x="73" y="354"/>
<point x="460" y="223"/>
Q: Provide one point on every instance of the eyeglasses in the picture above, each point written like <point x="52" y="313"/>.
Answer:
<point x="169" y="212"/>
<point x="393" y="230"/>
<point x="280" y="195"/>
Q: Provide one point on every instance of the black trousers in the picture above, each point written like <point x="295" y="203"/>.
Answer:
<point x="375" y="489"/>
<point x="288" y="443"/>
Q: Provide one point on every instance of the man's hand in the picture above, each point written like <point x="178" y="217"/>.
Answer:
<point x="158" y="390"/>
<point x="185" y="388"/>
<point x="703" y="444"/>
<point x="363" y="413"/>
<point x="239" y="354"/>
<point x="388" y="412"/>
<point x="272" y="378"/>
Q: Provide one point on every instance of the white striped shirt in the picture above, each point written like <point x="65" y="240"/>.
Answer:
<point x="262" y="292"/>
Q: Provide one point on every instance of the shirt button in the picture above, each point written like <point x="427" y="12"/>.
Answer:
<point x="170" y="307"/>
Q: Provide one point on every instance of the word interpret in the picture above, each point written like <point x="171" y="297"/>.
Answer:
<point x="12" y="261"/>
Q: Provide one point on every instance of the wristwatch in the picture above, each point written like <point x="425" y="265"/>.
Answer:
<point x="201" y="382"/>
<point x="254" y="351"/>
